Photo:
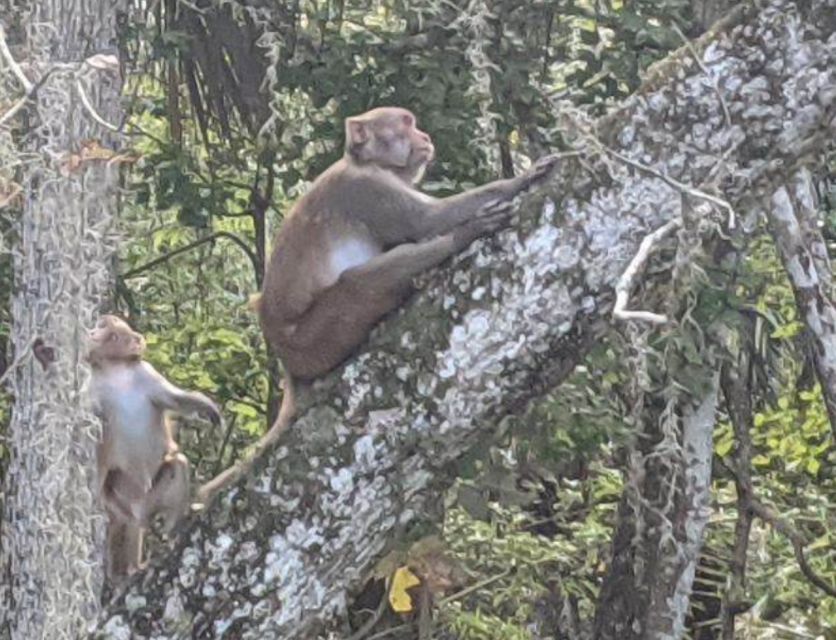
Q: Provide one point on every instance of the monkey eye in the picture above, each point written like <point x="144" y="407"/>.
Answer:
<point x="113" y="337"/>
<point x="408" y="120"/>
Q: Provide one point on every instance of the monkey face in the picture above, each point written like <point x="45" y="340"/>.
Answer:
<point x="112" y="339"/>
<point x="389" y="138"/>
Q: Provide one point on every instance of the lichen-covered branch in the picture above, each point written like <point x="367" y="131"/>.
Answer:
<point x="279" y="556"/>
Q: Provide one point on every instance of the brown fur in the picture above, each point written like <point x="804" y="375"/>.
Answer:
<point x="141" y="471"/>
<point x="350" y="248"/>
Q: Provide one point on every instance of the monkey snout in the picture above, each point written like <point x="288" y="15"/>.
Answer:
<point x="427" y="151"/>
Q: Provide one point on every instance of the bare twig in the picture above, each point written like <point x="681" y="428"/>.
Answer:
<point x="90" y="109"/>
<point x="390" y="632"/>
<point x="737" y="390"/>
<point x="171" y="254"/>
<point x="17" y="106"/>
<point x="475" y="587"/>
<point x="714" y="84"/>
<point x="796" y="539"/>
<point x="672" y="182"/>
<point x="628" y="278"/>
<point x="7" y="55"/>
<point x="367" y="627"/>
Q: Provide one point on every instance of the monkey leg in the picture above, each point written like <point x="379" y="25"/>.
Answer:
<point x="169" y="494"/>
<point x="122" y="496"/>
<point x="124" y="549"/>
<point x="343" y="314"/>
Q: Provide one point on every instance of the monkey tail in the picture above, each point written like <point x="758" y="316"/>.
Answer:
<point x="237" y="471"/>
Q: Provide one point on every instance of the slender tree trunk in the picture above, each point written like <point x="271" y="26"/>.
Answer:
<point x="737" y="391"/>
<point x="792" y="219"/>
<point x="51" y="535"/>
<point x="661" y="520"/>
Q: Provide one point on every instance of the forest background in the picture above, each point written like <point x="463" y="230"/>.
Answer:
<point x="229" y="113"/>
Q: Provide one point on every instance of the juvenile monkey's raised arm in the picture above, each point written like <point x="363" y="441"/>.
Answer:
<point x="169" y="396"/>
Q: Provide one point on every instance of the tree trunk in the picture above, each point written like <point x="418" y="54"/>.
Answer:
<point x="51" y="535"/>
<point x="661" y="521"/>
<point x="792" y="220"/>
<point x="279" y="555"/>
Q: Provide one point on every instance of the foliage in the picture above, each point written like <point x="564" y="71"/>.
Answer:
<point x="532" y="520"/>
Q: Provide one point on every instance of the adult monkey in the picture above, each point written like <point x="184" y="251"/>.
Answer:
<point x="349" y="250"/>
<point x="142" y="473"/>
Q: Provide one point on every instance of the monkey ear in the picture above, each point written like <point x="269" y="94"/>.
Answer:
<point x="356" y="134"/>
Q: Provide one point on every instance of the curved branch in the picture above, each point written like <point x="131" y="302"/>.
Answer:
<point x="193" y="245"/>
<point x="796" y="539"/>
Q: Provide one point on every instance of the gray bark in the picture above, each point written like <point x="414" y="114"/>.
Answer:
<point x="791" y="214"/>
<point x="50" y="576"/>
<point x="280" y="554"/>
<point x="661" y="521"/>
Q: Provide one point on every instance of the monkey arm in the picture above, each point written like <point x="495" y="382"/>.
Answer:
<point x="168" y="396"/>
<point x="449" y="213"/>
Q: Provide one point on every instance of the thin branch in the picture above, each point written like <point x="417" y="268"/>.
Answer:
<point x="224" y="443"/>
<point x="796" y="539"/>
<point x="475" y="587"/>
<point x="712" y="79"/>
<point x="672" y="182"/>
<point x="192" y="245"/>
<point x="91" y="110"/>
<point x="4" y="50"/>
<point x="628" y="279"/>
<point x="367" y="627"/>
<point x="17" y="106"/>
<point x="737" y="383"/>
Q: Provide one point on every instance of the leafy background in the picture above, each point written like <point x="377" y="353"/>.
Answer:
<point x="528" y="528"/>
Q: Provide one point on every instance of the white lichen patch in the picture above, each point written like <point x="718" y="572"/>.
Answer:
<point x="174" y="608"/>
<point x="190" y="562"/>
<point x="134" y="601"/>
<point x="341" y="481"/>
<point x="117" y="628"/>
<point x="365" y="453"/>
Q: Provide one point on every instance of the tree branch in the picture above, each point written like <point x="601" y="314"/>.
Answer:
<point x="193" y="245"/>
<point x="376" y="441"/>
<point x="796" y="539"/>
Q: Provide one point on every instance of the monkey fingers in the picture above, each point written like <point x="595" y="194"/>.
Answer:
<point x="542" y="167"/>
<point x="491" y="218"/>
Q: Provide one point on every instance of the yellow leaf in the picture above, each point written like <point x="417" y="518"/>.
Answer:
<point x="399" y="599"/>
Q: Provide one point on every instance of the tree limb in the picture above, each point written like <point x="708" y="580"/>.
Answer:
<point x="133" y="273"/>
<point x="796" y="539"/>
<point x="374" y="443"/>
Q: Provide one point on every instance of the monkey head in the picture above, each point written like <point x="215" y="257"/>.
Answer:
<point x="387" y="137"/>
<point x="113" y="340"/>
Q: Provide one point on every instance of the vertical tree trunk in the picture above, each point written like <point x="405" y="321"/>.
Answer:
<point x="661" y="520"/>
<point x="51" y="569"/>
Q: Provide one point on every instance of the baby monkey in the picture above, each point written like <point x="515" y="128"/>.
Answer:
<point x="349" y="250"/>
<point x="141" y="471"/>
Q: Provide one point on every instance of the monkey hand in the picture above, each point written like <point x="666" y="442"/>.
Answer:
<point x="209" y="410"/>
<point x="213" y="415"/>
<point x="541" y="168"/>
<point x="492" y="217"/>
